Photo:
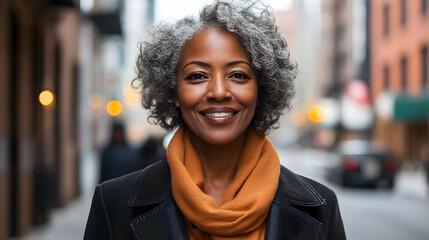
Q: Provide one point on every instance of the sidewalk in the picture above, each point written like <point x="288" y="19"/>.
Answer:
<point x="69" y="223"/>
<point x="412" y="183"/>
<point x="65" y="224"/>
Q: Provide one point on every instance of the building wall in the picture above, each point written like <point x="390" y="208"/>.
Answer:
<point x="31" y="35"/>
<point x="288" y="23"/>
<point x="4" y="123"/>
<point x="67" y="30"/>
<point x="324" y="42"/>
<point x="401" y="41"/>
<point x="23" y="104"/>
<point x="325" y="69"/>
<point x="409" y="140"/>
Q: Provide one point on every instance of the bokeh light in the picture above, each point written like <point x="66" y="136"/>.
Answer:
<point x="317" y="113"/>
<point x="95" y="101"/>
<point x="131" y="96"/>
<point x="114" y="108"/>
<point x="46" y="98"/>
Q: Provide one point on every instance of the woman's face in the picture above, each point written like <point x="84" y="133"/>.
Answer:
<point x="216" y="87"/>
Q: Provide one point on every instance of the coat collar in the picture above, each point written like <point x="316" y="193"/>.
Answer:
<point x="158" y="216"/>
<point x="152" y="186"/>
<point x="297" y="191"/>
<point x="164" y="220"/>
<point x="285" y="220"/>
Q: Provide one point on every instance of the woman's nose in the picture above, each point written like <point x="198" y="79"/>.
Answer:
<point x="218" y="88"/>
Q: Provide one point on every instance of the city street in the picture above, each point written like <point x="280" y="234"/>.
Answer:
<point x="371" y="214"/>
<point x="368" y="214"/>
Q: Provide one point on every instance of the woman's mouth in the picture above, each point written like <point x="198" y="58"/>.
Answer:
<point x="219" y="115"/>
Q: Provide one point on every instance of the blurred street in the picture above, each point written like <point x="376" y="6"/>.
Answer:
<point x="369" y="214"/>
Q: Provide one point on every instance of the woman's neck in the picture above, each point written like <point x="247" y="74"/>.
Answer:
<point x="219" y="164"/>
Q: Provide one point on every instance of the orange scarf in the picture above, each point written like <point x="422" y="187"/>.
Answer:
<point x="244" y="207"/>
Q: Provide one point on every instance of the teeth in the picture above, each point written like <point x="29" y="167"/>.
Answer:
<point x="219" y="114"/>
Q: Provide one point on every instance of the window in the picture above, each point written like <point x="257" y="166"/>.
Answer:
<point x="425" y="68"/>
<point x="424" y="7"/>
<point x="403" y="12"/>
<point x="386" y="78"/>
<point x="404" y="73"/>
<point x="386" y="20"/>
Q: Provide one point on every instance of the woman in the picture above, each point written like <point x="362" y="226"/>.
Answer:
<point x="224" y="80"/>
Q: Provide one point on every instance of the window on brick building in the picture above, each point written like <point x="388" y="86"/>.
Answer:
<point x="424" y="7"/>
<point x="425" y="64"/>
<point x="386" y="78"/>
<point x="404" y="74"/>
<point x="403" y="12"/>
<point x="386" y="20"/>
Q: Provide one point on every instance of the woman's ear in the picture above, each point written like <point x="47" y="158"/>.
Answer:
<point x="175" y="101"/>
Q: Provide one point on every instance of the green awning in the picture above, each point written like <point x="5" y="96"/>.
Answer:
<point x="411" y="108"/>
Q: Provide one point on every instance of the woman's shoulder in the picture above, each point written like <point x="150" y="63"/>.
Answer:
<point x="114" y="200"/>
<point x="302" y="190"/>
<point x="312" y="199"/>
<point x="125" y="187"/>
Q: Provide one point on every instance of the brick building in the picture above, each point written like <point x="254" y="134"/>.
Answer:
<point x="39" y="146"/>
<point x="399" y="76"/>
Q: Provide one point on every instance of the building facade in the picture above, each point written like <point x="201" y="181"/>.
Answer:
<point x="330" y="43"/>
<point x="399" y="76"/>
<point x="39" y="162"/>
<point x="46" y="45"/>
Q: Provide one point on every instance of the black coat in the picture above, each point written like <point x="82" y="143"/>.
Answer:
<point x="141" y="206"/>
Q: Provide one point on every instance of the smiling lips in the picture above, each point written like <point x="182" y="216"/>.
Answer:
<point x="219" y="115"/>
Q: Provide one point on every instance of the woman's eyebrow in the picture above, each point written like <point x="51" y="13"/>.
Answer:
<point x="237" y="62"/>
<point x="204" y="64"/>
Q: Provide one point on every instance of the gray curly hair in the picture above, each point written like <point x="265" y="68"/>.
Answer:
<point x="253" y="23"/>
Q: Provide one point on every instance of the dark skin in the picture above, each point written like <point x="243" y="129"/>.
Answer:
<point x="217" y="94"/>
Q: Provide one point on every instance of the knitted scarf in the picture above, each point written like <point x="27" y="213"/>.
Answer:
<point x="244" y="207"/>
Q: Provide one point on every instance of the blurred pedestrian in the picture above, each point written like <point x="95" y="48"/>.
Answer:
<point x="43" y="195"/>
<point x="224" y="79"/>
<point x="152" y="151"/>
<point x="118" y="157"/>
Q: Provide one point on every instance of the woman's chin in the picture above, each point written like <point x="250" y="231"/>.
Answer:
<point x="222" y="138"/>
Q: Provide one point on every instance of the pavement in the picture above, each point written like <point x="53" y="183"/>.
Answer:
<point x="68" y="223"/>
<point x="65" y="224"/>
<point x="412" y="183"/>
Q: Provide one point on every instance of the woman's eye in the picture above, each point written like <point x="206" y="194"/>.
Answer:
<point x="239" y="75"/>
<point x="195" y="76"/>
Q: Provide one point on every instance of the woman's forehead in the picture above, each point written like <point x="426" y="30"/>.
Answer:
<point x="212" y="43"/>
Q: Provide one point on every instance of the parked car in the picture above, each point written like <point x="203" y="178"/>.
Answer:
<point x="365" y="164"/>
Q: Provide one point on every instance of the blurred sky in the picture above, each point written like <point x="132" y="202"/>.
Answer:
<point x="169" y="11"/>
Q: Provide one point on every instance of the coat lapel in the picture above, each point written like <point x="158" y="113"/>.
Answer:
<point x="163" y="222"/>
<point x="285" y="221"/>
<point x="156" y="214"/>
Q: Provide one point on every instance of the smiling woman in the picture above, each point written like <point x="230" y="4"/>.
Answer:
<point x="223" y="80"/>
<point x="253" y="25"/>
<point x="216" y="87"/>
